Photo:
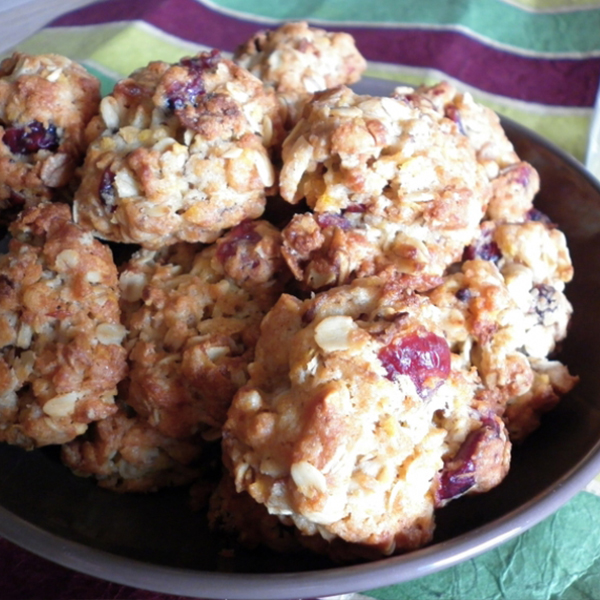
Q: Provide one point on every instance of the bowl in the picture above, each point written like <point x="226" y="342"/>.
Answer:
<point x="156" y="542"/>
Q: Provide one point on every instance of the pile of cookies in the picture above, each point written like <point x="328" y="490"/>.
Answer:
<point x="351" y="298"/>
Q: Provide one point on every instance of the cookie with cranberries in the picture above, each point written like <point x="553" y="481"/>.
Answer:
<point x="46" y="102"/>
<point x="358" y="419"/>
<point x="179" y="152"/>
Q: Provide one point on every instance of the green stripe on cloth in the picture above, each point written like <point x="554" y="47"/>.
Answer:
<point x="544" y="563"/>
<point x="554" y="5"/>
<point x="120" y="47"/>
<point x="564" y="34"/>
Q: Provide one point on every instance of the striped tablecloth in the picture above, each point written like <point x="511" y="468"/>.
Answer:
<point x="536" y="61"/>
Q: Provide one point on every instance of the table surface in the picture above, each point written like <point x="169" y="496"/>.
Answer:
<point x="567" y="121"/>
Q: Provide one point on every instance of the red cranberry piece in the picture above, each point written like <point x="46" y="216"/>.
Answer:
<point x="31" y="138"/>
<point x="332" y="220"/>
<point x="202" y="62"/>
<point x="458" y="474"/>
<point x="521" y="174"/>
<point x="424" y="358"/>
<point x="485" y="248"/>
<point x="243" y="234"/>
<point x="181" y="94"/>
<point x="356" y="208"/>
<point x="106" y="189"/>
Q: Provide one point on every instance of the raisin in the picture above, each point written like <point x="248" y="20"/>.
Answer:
<point x="545" y="300"/>
<point x="424" y="358"/>
<point x="484" y="248"/>
<point x="534" y="214"/>
<point x="463" y="294"/>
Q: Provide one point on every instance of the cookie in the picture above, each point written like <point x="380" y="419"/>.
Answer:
<point x="60" y="330"/>
<point x="179" y="153"/>
<point x="506" y="312"/>
<point x="297" y="60"/>
<point x="46" y="102"/>
<point x="358" y="421"/>
<point x="398" y="186"/>
<point x="193" y="318"/>
<point x="123" y="453"/>
<point x="514" y="182"/>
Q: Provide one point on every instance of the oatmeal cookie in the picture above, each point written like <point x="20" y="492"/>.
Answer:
<point x="126" y="454"/>
<point x="507" y="313"/>
<point x="60" y="330"/>
<point x="193" y="319"/>
<point x="358" y="420"/>
<point x="395" y="184"/>
<point x="179" y="153"/>
<point x="298" y="60"/>
<point x="46" y="102"/>
<point x="514" y="182"/>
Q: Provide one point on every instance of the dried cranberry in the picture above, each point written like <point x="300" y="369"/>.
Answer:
<point x="182" y="94"/>
<point x="521" y="174"/>
<point x="356" y="208"/>
<point x="332" y="220"/>
<point x="106" y="189"/>
<point x="484" y="248"/>
<point x="202" y="61"/>
<point x="31" y="138"/>
<point x="458" y="474"/>
<point x="424" y="358"/>
<point x="242" y="234"/>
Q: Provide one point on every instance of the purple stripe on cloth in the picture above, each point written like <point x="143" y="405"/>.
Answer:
<point x="564" y="82"/>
